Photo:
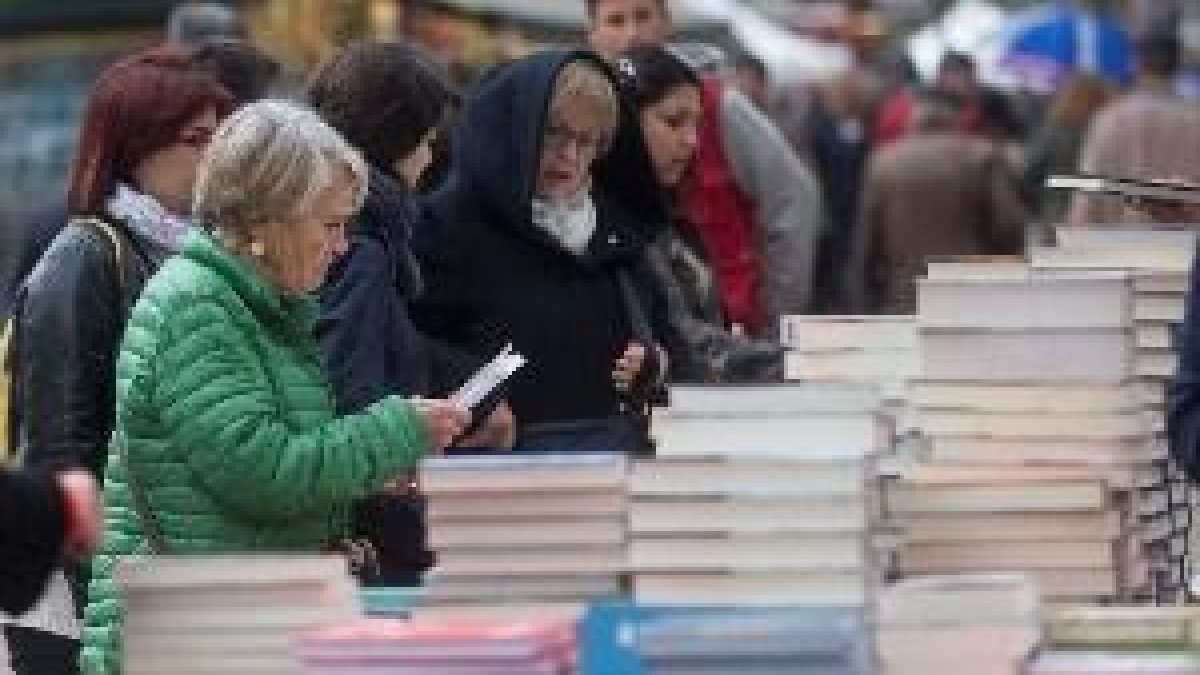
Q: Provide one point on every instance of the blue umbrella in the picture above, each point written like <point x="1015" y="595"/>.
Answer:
<point x="1047" y="44"/>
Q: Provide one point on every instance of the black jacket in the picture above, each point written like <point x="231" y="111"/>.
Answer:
<point x="32" y="526"/>
<point x="372" y="348"/>
<point x="494" y="277"/>
<point x="22" y="242"/>
<point x="70" y="316"/>
<point x="1183" y="393"/>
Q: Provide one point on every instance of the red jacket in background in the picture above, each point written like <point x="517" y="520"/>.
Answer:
<point x="724" y="219"/>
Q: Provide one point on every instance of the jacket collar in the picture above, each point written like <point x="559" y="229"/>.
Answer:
<point x="261" y="296"/>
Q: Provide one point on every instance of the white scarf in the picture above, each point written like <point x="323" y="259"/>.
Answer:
<point x="146" y="216"/>
<point x="571" y="222"/>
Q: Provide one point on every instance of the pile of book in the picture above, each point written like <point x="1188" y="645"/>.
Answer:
<point x="227" y="614"/>
<point x="760" y="495"/>
<point x="637" y="639"/>
<point x="1158" y="261"/>
<point x="520" y="530"/>
<point x="1033" y="426"/>
<point x="880" y="350"/>
<point x="1120" y="639"/>
<point x="977" y="624"/>
<point x="460" y="647"/>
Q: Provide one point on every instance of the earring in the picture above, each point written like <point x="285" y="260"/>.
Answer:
<point x="257" y="248"/>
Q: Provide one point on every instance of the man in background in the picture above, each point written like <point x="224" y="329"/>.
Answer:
<point x="1148" y="133"/>
<point x="935" y="192"/>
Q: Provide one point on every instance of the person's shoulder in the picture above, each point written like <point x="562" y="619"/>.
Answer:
<point x="78" y="254"/>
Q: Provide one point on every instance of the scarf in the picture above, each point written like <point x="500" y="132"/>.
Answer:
<point x="570" y="222"/>
<point x="145" y="216"/>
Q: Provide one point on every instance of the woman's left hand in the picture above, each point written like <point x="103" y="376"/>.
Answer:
<point x="628" y="367"/>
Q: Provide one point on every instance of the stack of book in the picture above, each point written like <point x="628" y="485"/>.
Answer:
<point x="637" y="639"/>
<point x="1104" y="663"/>
<point x="526" y="529"/>
<point x="880" y="350"/>
<point x="227" y="614"/>
<point x="1064" y="526"/>
<point x="1159" y="262"/>
<point x="458" y="647"/>
<point x="1121" y="628"/>
<point x="760" y="495"/>
<point x="978" y="624"/>
<point x="1027" y="387"/>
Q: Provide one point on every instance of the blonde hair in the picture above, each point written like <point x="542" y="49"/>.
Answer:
<point x="586" y="82"/>
<point x="268" y="162"/>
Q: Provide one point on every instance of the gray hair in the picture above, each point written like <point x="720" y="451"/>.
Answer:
<point x="267" y="162"/>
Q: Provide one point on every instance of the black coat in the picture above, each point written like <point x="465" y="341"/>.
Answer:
<point x="70" y="316"/>
<point x="494" y="277"/>
<point x="372" y="348"/>
<point x="22" y="242"/>
<point x="32" y="526"/>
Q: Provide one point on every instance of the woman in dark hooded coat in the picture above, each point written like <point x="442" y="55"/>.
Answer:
<point x="537" y="238"/>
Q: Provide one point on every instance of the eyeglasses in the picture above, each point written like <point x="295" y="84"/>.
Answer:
<point x="559" y="138"/>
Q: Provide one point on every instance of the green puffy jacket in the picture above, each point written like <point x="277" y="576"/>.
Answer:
<point x="230" y="428"/>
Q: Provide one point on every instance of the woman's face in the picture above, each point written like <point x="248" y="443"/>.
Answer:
<point x="168" y="174"/>
<point x="315" y="240"/>
<point x="574" y="137"/>
<point x="671" y="127"/>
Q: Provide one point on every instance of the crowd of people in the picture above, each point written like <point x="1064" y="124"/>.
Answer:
<point x="248" y="317"/>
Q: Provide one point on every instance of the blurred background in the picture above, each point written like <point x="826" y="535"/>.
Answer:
<point x="793" y="52"/>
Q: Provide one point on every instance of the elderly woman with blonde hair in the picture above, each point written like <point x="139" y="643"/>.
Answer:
<point x="226" y="436"/>
<point x="537" y="238"/>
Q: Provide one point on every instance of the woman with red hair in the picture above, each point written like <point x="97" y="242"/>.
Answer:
<point x="146" y="123"/>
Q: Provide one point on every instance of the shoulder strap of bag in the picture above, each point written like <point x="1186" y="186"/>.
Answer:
<point x="150" y="526"/>
<point x="8" y="435"/>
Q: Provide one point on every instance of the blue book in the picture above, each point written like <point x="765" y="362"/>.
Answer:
<point x="614" y="637"/>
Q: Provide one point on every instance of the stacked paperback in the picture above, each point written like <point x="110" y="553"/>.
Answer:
<point x="227" y="614"/>
<point x="1037" y="436"/>
<point x="535" y="647"/>
<point x="880" y="350"/>
<point x="526" y="529"/>
<point x="1112" y="640"/>
<point x="760" y="495"/>
<point x="977" y="624"/>
<point x="1158" y="261"/>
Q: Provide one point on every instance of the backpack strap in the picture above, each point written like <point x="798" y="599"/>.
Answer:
<point x="151" y="528"/>
<point x="8" y="430"/>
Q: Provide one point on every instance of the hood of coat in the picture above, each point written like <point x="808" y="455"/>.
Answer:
<point x="388" y="216"/>
<point x="498" y="143"/>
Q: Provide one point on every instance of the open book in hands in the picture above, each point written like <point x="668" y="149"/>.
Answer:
<point x="487" y="378"/>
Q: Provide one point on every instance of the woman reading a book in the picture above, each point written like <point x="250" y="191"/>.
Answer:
<point x="226" y="437"/>
<point x="537" y="239"/>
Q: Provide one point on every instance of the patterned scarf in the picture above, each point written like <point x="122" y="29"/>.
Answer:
<point x="144" y="215"/>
